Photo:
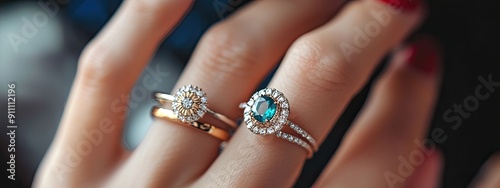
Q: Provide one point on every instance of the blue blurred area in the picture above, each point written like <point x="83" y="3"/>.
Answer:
<point x="91" y="15"/>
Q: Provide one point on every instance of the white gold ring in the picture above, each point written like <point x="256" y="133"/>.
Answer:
<point x="267" y="112"/>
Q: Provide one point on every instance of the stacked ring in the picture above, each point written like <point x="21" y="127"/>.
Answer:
<point x="188" y="106"/>
<point x="216" y="132"/>
<point x="267" y="112"/>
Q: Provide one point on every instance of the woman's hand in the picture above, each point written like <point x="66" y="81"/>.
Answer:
<point x="330" y="51"/>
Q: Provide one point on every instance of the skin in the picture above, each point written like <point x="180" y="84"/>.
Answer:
<point x="235" y="55"/>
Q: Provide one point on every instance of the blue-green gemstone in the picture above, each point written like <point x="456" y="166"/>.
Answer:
<point x="264" y="109"/>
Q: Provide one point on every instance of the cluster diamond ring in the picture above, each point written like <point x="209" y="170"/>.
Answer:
<point x="266" y="113"/>
<point x="189" y="104"/>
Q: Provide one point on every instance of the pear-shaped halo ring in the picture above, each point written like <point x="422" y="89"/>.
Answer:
<point x="267" y="112"/>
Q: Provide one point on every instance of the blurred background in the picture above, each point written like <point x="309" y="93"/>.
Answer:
<point x="44" y="65"/>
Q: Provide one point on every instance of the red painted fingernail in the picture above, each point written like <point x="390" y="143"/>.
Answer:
<point x="407" y="5"/>
<point x="423" y="55"/>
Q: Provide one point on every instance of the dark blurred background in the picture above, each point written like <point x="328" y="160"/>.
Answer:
<point x="43" y="71"/>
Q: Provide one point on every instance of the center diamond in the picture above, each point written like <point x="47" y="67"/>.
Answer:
<point x="187" y="103"/>
<point x="264" y="109"/>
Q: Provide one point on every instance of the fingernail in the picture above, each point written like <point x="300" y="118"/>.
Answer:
<point x="423" y="55"/>
<point x="407" y="5"/>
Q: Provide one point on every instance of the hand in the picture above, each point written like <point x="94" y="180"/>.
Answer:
<point x="489" y="176"/>
<point x="330" y="51"/>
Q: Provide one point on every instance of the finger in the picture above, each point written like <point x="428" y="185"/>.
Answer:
<point x="384" y="143"/>
<point x="318" y="81"/>
<point x="428" y="174"/>
<point x="230" y="61"/>
<point x="489" y="175"/>
<point x="91" y="127"/>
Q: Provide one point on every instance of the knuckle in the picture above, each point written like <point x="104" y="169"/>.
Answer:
<point x="96" y="65"/>
<point x="145" y="7"/>
<point x="227" y="51"/>
<point x="320" y="66"/>
<point x="156" y="7"/>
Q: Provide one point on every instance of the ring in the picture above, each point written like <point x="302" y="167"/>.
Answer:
<point x="167" y="114"/>
<point x="267" y="112"/>
<point x="189" y="104"/>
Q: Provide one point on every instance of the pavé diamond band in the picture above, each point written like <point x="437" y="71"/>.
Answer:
<point x="267" y="112"/>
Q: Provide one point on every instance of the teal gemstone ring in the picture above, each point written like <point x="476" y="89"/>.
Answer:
<point x="267" y="112"/>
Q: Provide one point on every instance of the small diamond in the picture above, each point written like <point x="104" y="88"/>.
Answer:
<point x="281" y="99"/>
<point x="284" y="112"/>
<point x="249" y="125"/>
<point x="181" y="118"/>
<point x="296" y="140"/>
<point x="201" y="113"/>
<point x="284" y="105"/>
<point x="204" y="99"/>
<point x="246" y="116"/>
<point x="285" y="136"/>
<point x="277" y="127"/>
<point x="255" y="129"/>
<point x="282" y="119"/>
<point x="187" y="103"/>
<point x="275" y="94"/>
<point x="250" y="102"/>
<point x="278" y="134"/>
<point x="262" y="131"/>
<point x="270" y="130"/>
<point x="199" y="93"/>
<point x="292" y="126"/>
<point x="268" y="91"/>
<point x="262" y="92"/>
<point x="189" y="119"/>
<point x="290" y="138"/>
<point x="255" y="97"/>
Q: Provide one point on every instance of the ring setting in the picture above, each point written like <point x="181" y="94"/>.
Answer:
<point x="266" y="113"/>
<point x="189" y="104"/>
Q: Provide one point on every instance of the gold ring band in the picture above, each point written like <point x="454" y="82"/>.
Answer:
<point x="167" y="114"/>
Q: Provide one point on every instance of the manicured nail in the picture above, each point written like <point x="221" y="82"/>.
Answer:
<point x="407" y="5"/>
<point x="423" y="55"/>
